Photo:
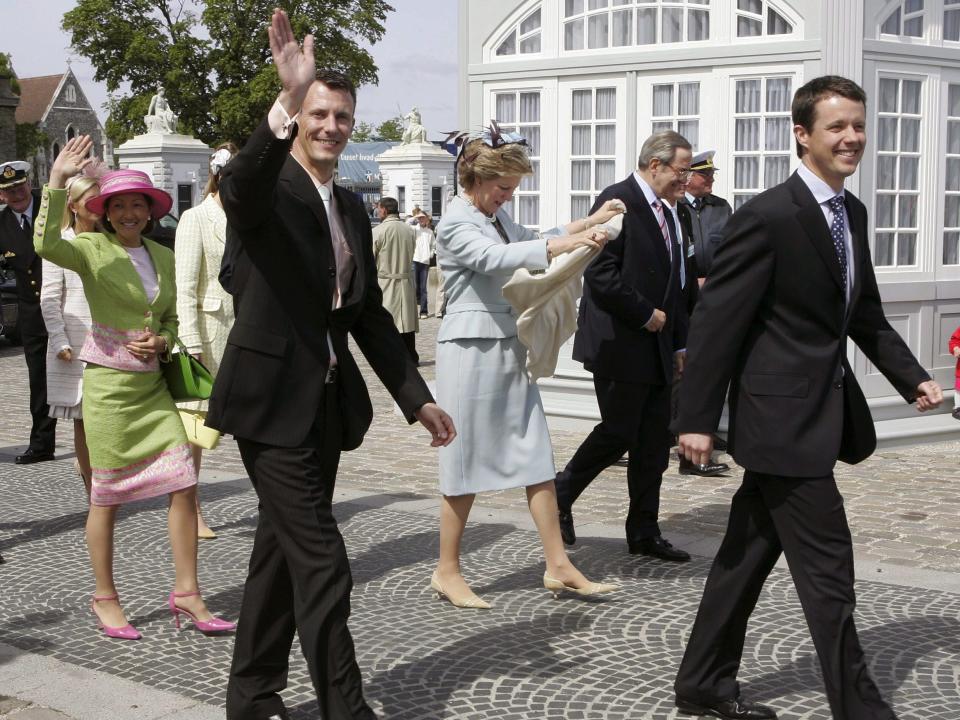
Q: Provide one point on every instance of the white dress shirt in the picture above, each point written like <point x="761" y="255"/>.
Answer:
<point x="823" y="194"/>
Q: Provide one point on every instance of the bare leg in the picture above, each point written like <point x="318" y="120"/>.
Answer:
<point x="542" y="501"/>
<point x="454" y="510"/>
<point x="100" y="522"/>
<point x="203" y="530"/>
<point x="83" y="454"/>
<point x="182" y="523"/>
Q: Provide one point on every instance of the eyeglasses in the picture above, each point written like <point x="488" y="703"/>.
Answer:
<point x="682" y="175"/>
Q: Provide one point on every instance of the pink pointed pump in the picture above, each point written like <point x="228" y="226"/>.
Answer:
<point x="127" y="632"/>
<point x="207" y="627"/>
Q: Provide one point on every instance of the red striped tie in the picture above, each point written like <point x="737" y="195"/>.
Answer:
<point x="661" y="218"/>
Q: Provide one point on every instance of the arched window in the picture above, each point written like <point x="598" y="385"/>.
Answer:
<point x="70" y="93"/>
<point x="756" y="18"/>
<point x="56" y="149"/>
<point x="590" y="24"/>
<point x="70" y="132"/>
<point x="523" y="38"/>
<point x="905" y="19"/>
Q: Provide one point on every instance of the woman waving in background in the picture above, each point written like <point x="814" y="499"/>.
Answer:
<point x="138" y="446"/>
<point x="204" y="308"/>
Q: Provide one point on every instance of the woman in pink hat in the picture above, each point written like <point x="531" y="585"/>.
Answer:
<point x="138" y="447"/>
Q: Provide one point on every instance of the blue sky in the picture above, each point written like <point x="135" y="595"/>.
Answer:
<point x="417" y="58"/>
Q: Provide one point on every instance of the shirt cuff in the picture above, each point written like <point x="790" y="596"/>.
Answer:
<point x="280" y="122"/>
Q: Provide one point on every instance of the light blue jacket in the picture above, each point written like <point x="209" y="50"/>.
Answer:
<point x="476" y="263"/>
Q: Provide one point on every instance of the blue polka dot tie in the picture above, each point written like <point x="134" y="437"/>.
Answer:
<point x="838" y="235"/>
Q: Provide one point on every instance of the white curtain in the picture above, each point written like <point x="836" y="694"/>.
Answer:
<point x="688" y="98"/>
<point x="753" y="6"/>
<point x="747" y="131"/>
<point x="605" y="173"/>
<point x="532" y="134"/>
<point x="911" y="97"/>
<point x="509" y="45"/>
<point x="606" y="140"/>
<point x="907" y="215"/>
<point x="748" y="96"/>
<point x="909" y="171"/>
<point x="580" y="175"/>
<point x="662" y="100"/>
<point x="529" y="209"/>
<point x="913" y="27"/>
<point x="581" y="140"/>
<point x="909" y="135"/>
<point x="886" y="172"/>
<point x="646" y="26"/>
<point x="530" y="44"/>
<point x="671" y="25"/>
<point x="573" y="35"/>
<point x="951" y="248"/>
<point x="953" y="174"/>
<point x="740" y="199"/>
<point x="748" y="27"/>
<point x="529" y="107"/>
<point x="906" y="248"/>
<point x="698" y="25"/>
<point x="606" y="104"/>
<point x="598" y="31"/>
<point x="746" y="173"/>
<point x="597" y="4"/>
<point x="953" y="101"/>
<point x="887" y="133"/>
<point x="621" y="28"/>
<point x="951" y="210"/>
<point x="884" y="217"/>
<point x="888" y="95"/>
<point x="891" y="26"/>
<point x="579" y="206"/>
<point x="776" y="169"/>
<point x="531" y="183"/>
<point x="660" y="125"/>
<point x="690" y="129"/>
<point x="572" y="7"/>
<point x="506" y="108"/>
<point x="777" y="133"/>
<point x="531" y="23"/>
<point x="777" y="24"/>
<point x="883" y="254"/>
<point x="779" y="95"/>
<point x="582" y="105"/>
<point x="951" y="25"/>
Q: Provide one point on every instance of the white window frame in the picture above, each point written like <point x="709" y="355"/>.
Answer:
<point x="918" y="230"/>
<point x="685" y="6"/>
<point x="761" y="153"/>
<point x="70" y="93"/>
<point x="517" y="125"/>
<point x="512" y="24"/>
<point x="672" y="121"/>
<point x="520" y="37"/>
<point x="767" y="6"/>
<point x="944" y="271"/>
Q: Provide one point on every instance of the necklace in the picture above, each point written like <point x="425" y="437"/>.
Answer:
<point x="469" y="201"/>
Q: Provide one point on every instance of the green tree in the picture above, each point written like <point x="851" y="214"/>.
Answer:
<point x="391" y="130"/>
<point x="6" y="68"/>
<point x="214" y="64"/>
<point x="363" y="132"/>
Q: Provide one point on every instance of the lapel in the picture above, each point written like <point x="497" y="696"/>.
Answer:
<point x="216" y="219"/>
<point x="315" y="245"/>
<point x="133" y="277"/>
<point x="354" y="238"/>
<point x="651" y="227"/>
<point x="859" y="232"/>
<point x="811" y="219"/>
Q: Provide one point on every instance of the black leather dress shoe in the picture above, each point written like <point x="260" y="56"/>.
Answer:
<point x="719" y="444"/>
<point x="33" y="456"/>
<point x="706" y="469"/>
<point x="658" y="547"/>
<point x="736" y="709"/>
<point x="567" y="532"/>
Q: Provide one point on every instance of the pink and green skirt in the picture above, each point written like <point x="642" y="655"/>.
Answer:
<point x="138" y="447"/>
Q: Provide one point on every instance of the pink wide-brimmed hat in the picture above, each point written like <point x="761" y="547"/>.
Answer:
<point x="120" y="182"/>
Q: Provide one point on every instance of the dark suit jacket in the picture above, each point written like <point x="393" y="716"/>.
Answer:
<point x="271" y="382"/>
<point x="26" y="267"/>
<point x="691" y="291"/>
<point x="632" y="276"/>
<point x="772" y="318"/>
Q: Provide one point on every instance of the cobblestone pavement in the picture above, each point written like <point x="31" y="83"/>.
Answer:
<point x="529" y="657"/>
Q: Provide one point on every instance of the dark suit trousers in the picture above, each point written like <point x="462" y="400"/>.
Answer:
<point x="44" y="427"/>
<point x="298" y="581"/>
<point x="803" y="518"/>
<point x="634" y="419"/>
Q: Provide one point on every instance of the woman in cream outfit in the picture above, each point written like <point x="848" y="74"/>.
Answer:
<point x="502" y="440"/>
<point x="204" y="308"/>
<point x="67" y="318"/>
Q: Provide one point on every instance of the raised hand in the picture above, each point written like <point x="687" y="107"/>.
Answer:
<point x="296" y="66"/>
<point x="71" y="160"/>
<point x="610" y="209"/>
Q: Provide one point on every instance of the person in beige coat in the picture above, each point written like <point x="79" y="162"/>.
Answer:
<point x="204" y="308"/>
<point x="66" y="316"/>
<point x="394" y="243"/>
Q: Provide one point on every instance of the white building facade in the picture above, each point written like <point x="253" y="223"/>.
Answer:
<point x="586" y="81"/>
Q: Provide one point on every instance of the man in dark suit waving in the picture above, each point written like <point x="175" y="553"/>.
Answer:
<point x="289" y="390"/>
<point x="790" y="283"/>
<point x="631" y="331"/>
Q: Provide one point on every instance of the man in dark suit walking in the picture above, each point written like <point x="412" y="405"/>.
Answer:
<point x="16" y="246"/>
<point x="631" y="331"/>
<point x="289" y="390"/>
<point x="790" y="283"/>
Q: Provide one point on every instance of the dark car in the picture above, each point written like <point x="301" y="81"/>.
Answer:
<point x="165" y="231"/>
<point x="8" y="303"/>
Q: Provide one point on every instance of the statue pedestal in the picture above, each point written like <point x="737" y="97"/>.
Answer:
<point x="175" y="163"/>
<point x="411" y="171"/>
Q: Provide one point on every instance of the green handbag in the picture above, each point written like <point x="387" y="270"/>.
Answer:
<point x="187" y="378"/>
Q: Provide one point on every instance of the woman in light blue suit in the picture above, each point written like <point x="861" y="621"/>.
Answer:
<point x="502" y="441"/>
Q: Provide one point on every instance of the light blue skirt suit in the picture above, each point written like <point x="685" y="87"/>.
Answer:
<point x="502" y="437"/>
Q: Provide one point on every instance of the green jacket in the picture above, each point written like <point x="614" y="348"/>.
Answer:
<point x="118" y="305"/>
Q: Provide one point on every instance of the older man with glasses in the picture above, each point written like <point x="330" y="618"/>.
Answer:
<point x="708" y="213"/>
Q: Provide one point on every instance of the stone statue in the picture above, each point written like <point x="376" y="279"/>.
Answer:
<point x="415" y="131"/>
<point x="160" y="118"/>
